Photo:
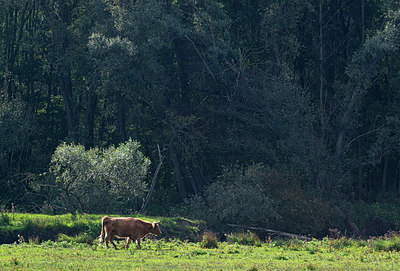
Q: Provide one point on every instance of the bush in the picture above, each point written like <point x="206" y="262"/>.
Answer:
<point x="238" y="196"/>
<point x="259" y="196"/>
<point x="299" y="210"/>
<point x="209" y="240"/>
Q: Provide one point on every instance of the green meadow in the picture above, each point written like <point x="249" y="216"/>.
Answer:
<point x="177" y="255"/>
<point x="76" y="247"/>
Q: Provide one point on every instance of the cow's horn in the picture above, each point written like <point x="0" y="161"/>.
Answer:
<point x="158" y="222"/>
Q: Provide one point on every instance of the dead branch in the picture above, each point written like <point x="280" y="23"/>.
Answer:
<point x="153" y="181"/>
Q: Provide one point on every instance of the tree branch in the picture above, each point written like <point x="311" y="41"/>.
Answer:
<point x="153" y="182"/>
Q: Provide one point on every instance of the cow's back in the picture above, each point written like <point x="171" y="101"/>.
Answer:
<point x="127" y="226"/>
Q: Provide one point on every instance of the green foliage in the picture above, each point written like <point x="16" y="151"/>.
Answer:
<point x="243" y="238"/>
<point x="391" y="242"/>
<point x="344" y="242"/>
<point x="257" y="195"/>
<point x="240" y="196"/>
<point x="16" y="134"/>
<point x="362" y="212"/>
<point x="307" y="88"/>
<point x="80" y="238"/>
<point x="4" y="219"/>
<point x="91" y="180"/>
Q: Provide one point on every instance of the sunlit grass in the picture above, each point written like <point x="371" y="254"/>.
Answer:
<point x="77" y="248"/>
<point x="179" y="255"/>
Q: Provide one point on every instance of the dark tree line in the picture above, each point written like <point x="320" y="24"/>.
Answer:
<point x="304" y="93"/>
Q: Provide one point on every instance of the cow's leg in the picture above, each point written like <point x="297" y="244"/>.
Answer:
<point x="106" y="239"/>
<point x="128" y="240"/>
<point x="112" y="242"/>
<point x="138" y="242"/>
<point x="109" y="238"/>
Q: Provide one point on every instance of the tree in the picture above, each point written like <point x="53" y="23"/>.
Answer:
<point x="16" y="134"/>
<point x="99" y="180"/>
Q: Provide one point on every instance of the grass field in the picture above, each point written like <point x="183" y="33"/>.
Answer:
<point x="73" y="245"/>
<point x="176" y="255"/>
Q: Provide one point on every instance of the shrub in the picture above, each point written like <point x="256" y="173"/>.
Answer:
<point x="4" y="219"/>
<point x="243" y="238"/>
<point x="239" y="196"/>
<point x="209" y="240"/>
<point x="259" y="196"/>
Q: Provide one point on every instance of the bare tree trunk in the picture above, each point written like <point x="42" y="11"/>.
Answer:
<point x="153" y="181"/>
<point x="362" y="21"/>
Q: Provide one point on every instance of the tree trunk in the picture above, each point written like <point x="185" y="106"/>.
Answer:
<point x="177" y="171"/>
<point x="59" y="28"/>
<point x="69" y="105"/>
<point x="198" y="180"/>
<point x="398" y="178"/>
<point x="384" y="175"/>
<point x="179" y="47"/>
<point x="321" y="76"/>
<point x="121" y="117"/>
<point x="362" y="21"/>
<point x="360" y="173"/>
<point x="90" y="113"/>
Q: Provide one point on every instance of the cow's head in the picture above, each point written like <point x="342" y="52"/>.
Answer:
<point x="155" y="229"/>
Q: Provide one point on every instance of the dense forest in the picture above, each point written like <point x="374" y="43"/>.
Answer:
<point x="266" y="113"/>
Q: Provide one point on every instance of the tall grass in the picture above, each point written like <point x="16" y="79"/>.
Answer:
<point x="391" y="242"/>
<point x="243" y="238"/>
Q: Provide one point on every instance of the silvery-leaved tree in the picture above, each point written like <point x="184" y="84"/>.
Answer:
<point x="100" y="180"/>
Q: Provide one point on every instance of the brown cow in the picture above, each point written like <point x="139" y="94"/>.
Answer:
<point x="128" y="228"/>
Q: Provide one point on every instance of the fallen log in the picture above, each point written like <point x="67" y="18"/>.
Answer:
<point x="281" y="233"/>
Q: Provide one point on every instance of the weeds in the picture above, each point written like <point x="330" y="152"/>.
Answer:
<point x="209" y="240"/>
<point x="82" y="238"/>
<point x="244" y="238"/>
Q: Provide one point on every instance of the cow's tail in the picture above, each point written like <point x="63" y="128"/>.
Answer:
<point x="103" y="222"/>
